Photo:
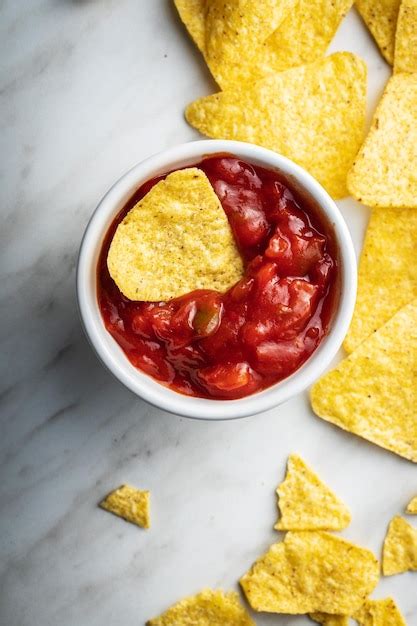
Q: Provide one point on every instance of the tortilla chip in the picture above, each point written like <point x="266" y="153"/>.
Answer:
<point x="379" y="613"/>
<point x="311" y="571"/>
<point x="176" y="239"/>
<point x="130" y="504"/>
<point x="193" y="14"/>
<point x="373" y="393"/>
<point x="405" y="59"/>
<point x="387" y="276"/>
<point x="303" y="36"/>
<point x="235" y="36"/>
<point x="412" y="507"/>
<point x="384" y="173"/>
<point x="400" y="548"/>
<point x="380" y="16"/>
<point x="208" y="608"/>
<point x="313" y="114"/>
<point x="329" y="620"/>
<point x="306" y="503"/>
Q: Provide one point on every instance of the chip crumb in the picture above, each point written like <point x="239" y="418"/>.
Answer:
<point x="313" y="114"/>
<point x="207" y="608"/>
<point x="412" y="506"/>
<point x="373" y="392"/>
<point x="381" y="16"/>
<point x="405" y="59"/>
<point x="306" y="503"/>
<point x="384" y="175"/>
<point x="400" y="547"/>
<point x="130" y="504"/>
<point x="309" y="572"/>
<point x="379" y="613"/>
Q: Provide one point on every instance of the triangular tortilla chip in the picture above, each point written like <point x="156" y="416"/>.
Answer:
<point x="387" y="276"/>
<point x="235" y="35"/>
<point x="193" y="14"/>
<point x="384" y="172"/>
<point x="373" y="393"/>
<point x="400" y="548"/>
<point x="380" y="16"/>
<point x="313" y="114"/>
<point x="329" y="620"/>
<point x="379" y="613"/>
<point x="176" y="239"/>
<point x="412" y="506"/>
<point x="405" y="59"/>
<point x="130" y="504"/>
<point x="310" y="572"/>
<point x="207" y="608"/>
<point x="306" y="503"/>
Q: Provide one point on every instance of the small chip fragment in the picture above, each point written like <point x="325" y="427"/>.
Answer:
<point x="306" y="503"/>
<point x="412" y="506"/>
<point x="384" y="173"/>
<point x="207" y="608"/>
<point x="387" y="276"/>
<point x="193" y="14"/>
<point x="313" y="114"/>
<point x="381" y="16"/>
<point x="379" y="613"/>
<point x="373" y="392"/>
<point x="405" y="59"/>
<point x="330" y="620"/>
<point x="235" y="36"/>
<point x="129" y="503"/>
<point x="176" y="239"/>
<point x="309" y="572"/>
<point x="400" y="547"/>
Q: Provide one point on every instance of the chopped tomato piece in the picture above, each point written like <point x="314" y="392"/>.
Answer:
<point x="231" y="380"/>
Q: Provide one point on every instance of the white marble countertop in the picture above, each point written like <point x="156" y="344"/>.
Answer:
<point x="88" y="88"/>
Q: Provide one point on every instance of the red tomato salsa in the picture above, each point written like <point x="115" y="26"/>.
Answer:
<point x="229" y="345"/>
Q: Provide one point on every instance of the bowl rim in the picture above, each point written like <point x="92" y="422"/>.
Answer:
<point x="112" y="355"/>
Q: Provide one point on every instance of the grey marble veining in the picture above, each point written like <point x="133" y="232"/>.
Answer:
<point x="88" y="88"/>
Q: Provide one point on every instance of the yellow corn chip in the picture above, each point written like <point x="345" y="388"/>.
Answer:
<point x="379" y="613"/>
<point x="176" y="239"/>
<point x="405" y="59"/>
<point x="373" y="393"/>
<point x="208" y="608"/>
<point x="387" y="276"/>
<point x="329" y="620"/>
<point x="193" y="13"/>
<point x="313" y="114"/>
<point x="311" y="571"/>
<point x="412" y="507"/>
<point x="235" y="35"/>
<point x="381" y="18"/>
<point x="384" y="173"/>
<point x="130" y="504"/>
<point x="303" y="36"/>
<point x="306" y="503"/>
<point x="400" y="547"/>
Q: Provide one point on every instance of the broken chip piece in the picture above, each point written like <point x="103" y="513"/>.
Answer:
<point x="330" y="620"/>
<point x="129" y="503"/>
<point x="387" y="276"/>
<point x="175" y="240"/>
<point x="313" y="114"/>
<point x="412" y="506"/>
<point x="379" y="613"/>
<point x="373" y="392"/>
<point x="405" y="59"/>
<point x="306" y="503"/>
<point x="311" y="571"/>
<point x="380" y="16"/>
<point x="400" y="547"/>
<point x="207" y="608"/>
<point x="384" y="175"/>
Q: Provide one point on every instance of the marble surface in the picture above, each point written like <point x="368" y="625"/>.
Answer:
<point x="88" y="88"/>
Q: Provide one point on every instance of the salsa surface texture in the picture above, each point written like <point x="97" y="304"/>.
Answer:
<point x="230" y="345"/>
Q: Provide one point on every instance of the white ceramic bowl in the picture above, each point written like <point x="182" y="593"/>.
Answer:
<point x="113" y="356"/>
